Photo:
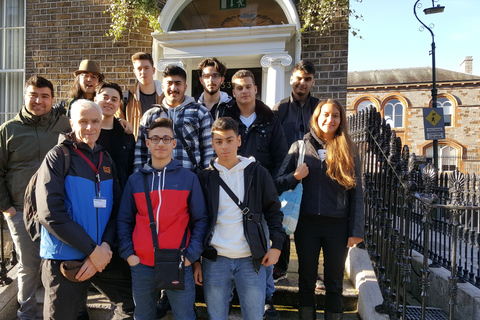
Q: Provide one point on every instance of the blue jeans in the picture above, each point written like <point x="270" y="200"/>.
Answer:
<point x="218" y="280"/>
<point x="146" y="296"/>
<point x="270" y="289"/>
<point x="29" y="266"/>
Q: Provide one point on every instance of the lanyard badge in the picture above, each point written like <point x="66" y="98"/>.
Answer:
<point x="98" y="201"/>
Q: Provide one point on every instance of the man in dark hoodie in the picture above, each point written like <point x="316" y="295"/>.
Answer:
<point x="234" y="251"/>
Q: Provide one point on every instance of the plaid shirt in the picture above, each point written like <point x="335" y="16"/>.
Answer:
<point x="193" y="120"/>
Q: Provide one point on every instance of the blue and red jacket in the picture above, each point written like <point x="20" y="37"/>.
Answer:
<point x="71" y="225"/>
<point x="178" y="204"/>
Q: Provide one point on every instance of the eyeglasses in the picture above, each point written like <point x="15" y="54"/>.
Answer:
<point x="157" y="139"/>
<point x="215" y="76"/>
<point x="90" y="76"/>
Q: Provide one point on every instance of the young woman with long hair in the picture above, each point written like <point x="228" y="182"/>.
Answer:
<point x="331" y="213"/>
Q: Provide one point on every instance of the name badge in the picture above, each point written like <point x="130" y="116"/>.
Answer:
<point x="322" y="153"/>
<point x="99" y="203"/>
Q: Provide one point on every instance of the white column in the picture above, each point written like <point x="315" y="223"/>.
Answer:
<point x="276" y="64"/>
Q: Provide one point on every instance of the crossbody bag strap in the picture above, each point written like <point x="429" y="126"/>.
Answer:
<point x="152" y="224"/>
<point x="245" y="210"/>
<point x="187" y="148"/>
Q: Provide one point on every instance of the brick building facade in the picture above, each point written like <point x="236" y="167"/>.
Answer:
<point x="59" y="34"/>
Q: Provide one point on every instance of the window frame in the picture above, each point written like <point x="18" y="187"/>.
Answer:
<point x="393" y="119"/>
<point x="11" y="98"/>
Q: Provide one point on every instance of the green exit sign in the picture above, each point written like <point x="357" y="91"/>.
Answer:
<point x="232" y="4"/>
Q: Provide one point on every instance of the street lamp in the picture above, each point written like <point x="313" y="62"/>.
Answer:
<point x="432" y="10"/>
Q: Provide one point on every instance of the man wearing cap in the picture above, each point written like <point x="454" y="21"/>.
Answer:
<point x="24" y="142"/>
<point x="87" y="77"/>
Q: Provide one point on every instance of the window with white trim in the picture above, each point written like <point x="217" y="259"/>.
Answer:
<point x="447" y="157"/>
<point x="447" y="106"/>
<point x="393" y="113"/>
<point x="12" y="39"/>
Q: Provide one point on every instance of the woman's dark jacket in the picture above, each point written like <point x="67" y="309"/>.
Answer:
<point x="264" y="139"/>
<point x="322" y="195"/>
<point x="260" y="197"/>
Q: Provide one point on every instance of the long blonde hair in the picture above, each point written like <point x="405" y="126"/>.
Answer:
<point x="340" y="156"/>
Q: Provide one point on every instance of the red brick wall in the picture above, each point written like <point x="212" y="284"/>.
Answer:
<point x="62" y="33"/>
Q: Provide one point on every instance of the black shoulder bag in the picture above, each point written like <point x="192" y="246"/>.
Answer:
<point x="169" y="263"/>
<point x="252" y="223"/>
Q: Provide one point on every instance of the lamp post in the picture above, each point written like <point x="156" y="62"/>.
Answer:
<point x="432" y="10"/>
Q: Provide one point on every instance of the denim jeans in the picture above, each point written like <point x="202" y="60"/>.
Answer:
<point x="270" y="289"/>
<point x="218" y="279"/>
<point x="29" y="259"/>
<point x="146" y="296"/>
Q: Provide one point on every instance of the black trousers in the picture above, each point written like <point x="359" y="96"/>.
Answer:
<point x="284" y="259"/>
<point x="315" y="233"/>
<point x="64" y="298"/>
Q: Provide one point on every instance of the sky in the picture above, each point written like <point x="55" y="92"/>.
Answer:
<point x="391" y="38"/>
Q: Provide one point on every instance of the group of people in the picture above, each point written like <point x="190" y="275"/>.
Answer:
<point x="192" y="154"/>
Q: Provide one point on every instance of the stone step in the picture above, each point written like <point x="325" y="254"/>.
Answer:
<point x="285" y="298"/>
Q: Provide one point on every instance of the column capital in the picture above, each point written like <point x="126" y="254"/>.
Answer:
<point x="277" y="58"/>
<point x="163" y="63"/>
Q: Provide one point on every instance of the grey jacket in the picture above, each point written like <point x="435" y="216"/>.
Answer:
<point x="24" y="142"/>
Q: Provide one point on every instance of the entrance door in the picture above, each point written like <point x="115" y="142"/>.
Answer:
<point x="197" y="88"/>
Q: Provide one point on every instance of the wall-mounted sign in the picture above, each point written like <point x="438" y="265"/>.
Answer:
<point x="232" y="4"/>
<point x="433" y="123"/>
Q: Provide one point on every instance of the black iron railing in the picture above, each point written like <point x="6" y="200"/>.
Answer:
<point x="409" y="207"/>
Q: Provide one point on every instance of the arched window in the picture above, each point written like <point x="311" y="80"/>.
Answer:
<point x="447" y="157"/>
<point x="447" y="106"/>
<point x="393" y="113"/>
<point x="364" y="105"/>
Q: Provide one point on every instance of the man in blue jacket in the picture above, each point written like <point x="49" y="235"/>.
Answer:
<point x="78" y="216"/>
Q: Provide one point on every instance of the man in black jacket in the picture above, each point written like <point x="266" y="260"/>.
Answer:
<point x="113" y="139"/>
<point x="236" y="247"/>
<point x="295" y="111"/>
<point x="261" y="132"/>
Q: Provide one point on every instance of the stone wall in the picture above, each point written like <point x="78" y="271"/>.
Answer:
<point x="62" y="33"/>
